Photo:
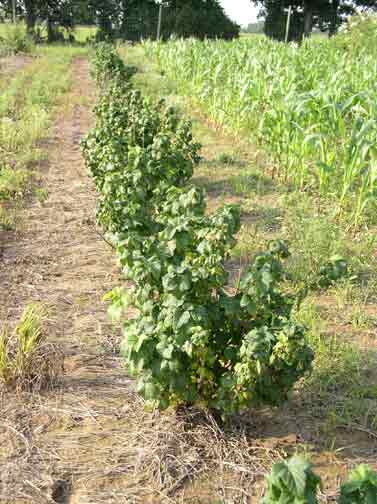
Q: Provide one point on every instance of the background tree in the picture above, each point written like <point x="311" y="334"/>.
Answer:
<point x="183" y="18"/>
<point x="52" y="12"/>
<point x="326" y="15"/>
<point x="56" y="14"/>
<point x="138" y="19"/>
<point x="198" y="18"/>
<point x="127" y="19"/>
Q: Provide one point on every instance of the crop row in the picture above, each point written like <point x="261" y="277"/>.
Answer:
<point x="313" y="108"/>
<point x="193" y="338"/>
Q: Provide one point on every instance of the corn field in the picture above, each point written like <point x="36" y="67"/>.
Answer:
<point x="312" y="108"/>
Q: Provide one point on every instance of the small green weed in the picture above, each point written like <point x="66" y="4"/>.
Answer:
<point x="228" y="159"/>
<point x="7" y="219"/>
<point x="293" y="482"/>
<point x="27" y="362"/>
<point x="322" y="251"/>
<point x="42" y="194"/>
<point x="13" y="183"/>
<point x="252" y="182"/>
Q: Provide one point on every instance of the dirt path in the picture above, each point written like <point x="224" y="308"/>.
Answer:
<point x="10" y="65"/>
<point x="49" y="443"/>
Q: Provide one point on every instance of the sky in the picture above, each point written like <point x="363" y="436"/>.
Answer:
<point x="241" y="11"/>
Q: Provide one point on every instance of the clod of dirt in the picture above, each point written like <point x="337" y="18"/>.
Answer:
<point x="61" y="491"/>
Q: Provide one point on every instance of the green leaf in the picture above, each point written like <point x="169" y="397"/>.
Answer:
<point x="183" y="320"/>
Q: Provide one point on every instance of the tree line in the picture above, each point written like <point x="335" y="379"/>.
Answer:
<point x="325" y="15"/>
<point x="125" y="19"/>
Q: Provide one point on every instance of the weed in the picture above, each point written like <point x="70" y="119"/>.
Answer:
<point x="42" y="194"/>
<point x="7" y="219"/>
<point x="14" y="39"/>
<point x="27" y="361"/>
<point x="228" y="159"/>
<point x="26" y="107"/>
<point x="252" y="182"/>
<point x="294" y="482"/>
<point x="13" y="183"/>
<point x="319" y="244"/>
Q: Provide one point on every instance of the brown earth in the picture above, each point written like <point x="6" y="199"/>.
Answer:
<point x="58" y="258"/>
<point x="10" y="65"/>
<point x="91" y="440"/>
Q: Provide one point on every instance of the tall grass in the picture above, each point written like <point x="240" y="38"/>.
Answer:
<point x="27" y="105"/>
<point x="14" y="39"/>
<point x="313" y="107"/>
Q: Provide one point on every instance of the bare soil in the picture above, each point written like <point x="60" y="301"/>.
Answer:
<point x="90" y="440"/>
<point x="9" y="65"/>
<point x="58" y="258"/>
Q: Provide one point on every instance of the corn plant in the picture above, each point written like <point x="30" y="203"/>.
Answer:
<point x="313" y="108"/>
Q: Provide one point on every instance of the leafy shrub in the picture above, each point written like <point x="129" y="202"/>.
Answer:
<point x="155" y="146"/>
<point x="107" y="65"/>
<point x="361" y="487"/>
<point x="294" y="482"/>
<point x="359" y="32"/>
<point x="191" y="341"/>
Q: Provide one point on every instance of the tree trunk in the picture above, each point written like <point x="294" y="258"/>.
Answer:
<point x="30" y="17"/>
<point x="333" y="28"/>
<point x="308" y="19"/>
<point x="124" y="14"/>
<point x="50" y="31"/>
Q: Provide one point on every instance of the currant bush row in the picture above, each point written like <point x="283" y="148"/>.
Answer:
<point x="193" y="338"/>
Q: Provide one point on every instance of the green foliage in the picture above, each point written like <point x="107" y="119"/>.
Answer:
<point x="107" y="65"/>
<point x="326" y="15"/>
<point x="191" y="340"/>
<point x="361" y="487"/>
<point x="313" y="108"/>
<point x="294" y="482"/>
<point x="13" y="183"/>
<point x="15" y="39"/>
<point x="333" y="271"/>
<point x="198" y="18"/>
<point x="26" y="106"/>
<point x="359" y="31"/>
<point x="322" y="253"/>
